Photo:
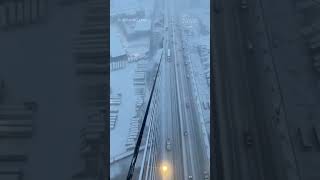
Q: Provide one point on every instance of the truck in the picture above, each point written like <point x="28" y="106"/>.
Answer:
<point x="168" y="55"/>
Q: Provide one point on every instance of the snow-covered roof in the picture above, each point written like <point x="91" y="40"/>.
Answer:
<point x="116" y="48"/>
<point x="143" y="25"/>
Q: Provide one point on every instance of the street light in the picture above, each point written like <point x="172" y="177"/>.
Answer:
<point x="165" y="170"/>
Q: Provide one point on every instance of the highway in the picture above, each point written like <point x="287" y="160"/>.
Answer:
<point x="169" y="118"/>
<point x="179" y="121"/>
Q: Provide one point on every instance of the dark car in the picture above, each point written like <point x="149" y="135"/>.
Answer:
<point x="185" y="133"/>
<point x="206" y="175"/>
<point x="168" y="145"/>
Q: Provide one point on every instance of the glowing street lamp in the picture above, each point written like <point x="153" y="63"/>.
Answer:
<point x="164" y="168"/>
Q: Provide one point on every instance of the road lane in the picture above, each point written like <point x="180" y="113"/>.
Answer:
<point x="169" y="114"/>
<point x="195" y="139"/>
<point x="176" y="91"/>
<point x="187" y="153"/>
<point x="182" y="107"/>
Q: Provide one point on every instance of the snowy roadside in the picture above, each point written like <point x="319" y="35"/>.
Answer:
<point x="122" y="82"/>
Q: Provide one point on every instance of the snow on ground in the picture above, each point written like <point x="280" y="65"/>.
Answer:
<point x="122" y="82"/>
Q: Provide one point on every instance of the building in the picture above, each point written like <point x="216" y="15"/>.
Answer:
<point x="136" y="29"/>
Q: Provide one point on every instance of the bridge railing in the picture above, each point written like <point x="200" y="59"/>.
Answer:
<point x="149" y="159"/>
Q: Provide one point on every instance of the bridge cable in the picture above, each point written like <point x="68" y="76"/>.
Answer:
<point x="138" y="143"/>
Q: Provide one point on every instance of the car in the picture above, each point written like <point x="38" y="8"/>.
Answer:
<point x="190" y="177"/>
<point x="206" y="175"/>
<point x="188" y="76"/>
<point x="185" y="133"/>
<point x="168" y="145"/>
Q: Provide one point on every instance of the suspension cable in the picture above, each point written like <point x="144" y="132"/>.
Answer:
<point x="138" y="143"/>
